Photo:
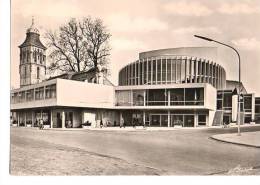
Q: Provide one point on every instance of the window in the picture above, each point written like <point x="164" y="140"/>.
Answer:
<point x="248" y="103"/>
<point x="159" y="71"/>
<point x="138" y="98"/>
<point x="194" y="96"/>
<point x="123" y="98"/>
<point x="177" y="96"/>
<point x="25" y="71"/>
<point x="227" y="100"/>
<point x="29" y="95"/>
<point x="39" y="93"/>
<point x="163" y="71"/>
<point x="50" y="91"/>
<point x="38" y="73"/>
<point x="156" y="97"/>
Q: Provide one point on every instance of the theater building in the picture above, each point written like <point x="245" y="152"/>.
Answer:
<point x="184" y="87"/>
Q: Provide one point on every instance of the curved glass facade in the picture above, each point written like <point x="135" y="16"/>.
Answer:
<point x="172" y="69"/>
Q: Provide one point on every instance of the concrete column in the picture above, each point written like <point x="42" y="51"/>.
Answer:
<point x="63" y="119"/>
<point x="169" y="118"/>
<point x="253" y="107"/>
<point x="169" y="97"/>
<point x="156" y="71"/>
<point x="18" y="119"/>
<point x="25" y="119"/>
<point x="51" y="119"/>
<point x="147" y="68"/>
<point x="144" y="118"/>
<point x="196" y="120"/>
<point x="185" y="69"/>
<point x="195" y="70"/>
<point x="32" y="119"/>
<point x="144" y="97"/>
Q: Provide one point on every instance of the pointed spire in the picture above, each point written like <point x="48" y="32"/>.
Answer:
<point x="32" y="27"/>
<point x="32" y="20"/>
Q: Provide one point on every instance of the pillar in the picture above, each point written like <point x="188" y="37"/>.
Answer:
<point x="196" y="118"/>
<point x="169" y="118"/>
<point x="25" y="114"/>
<point x="63" y="119"/>
<point x="144" y="118"/>
<point x="51" y="119"/>
<point x="18" y="119"/>
<point x="32" y="119"/>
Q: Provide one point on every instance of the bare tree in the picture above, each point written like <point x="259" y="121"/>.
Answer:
<point x="78" y="46"/>
<point x="97" y="38"/>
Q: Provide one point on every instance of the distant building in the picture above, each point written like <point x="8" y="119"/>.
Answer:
<point x="163" y="88"/>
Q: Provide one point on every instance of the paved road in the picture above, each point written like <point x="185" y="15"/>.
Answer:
<point x="175" y="152"/>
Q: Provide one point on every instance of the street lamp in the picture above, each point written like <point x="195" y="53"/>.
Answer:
<point x="239" y="76"/>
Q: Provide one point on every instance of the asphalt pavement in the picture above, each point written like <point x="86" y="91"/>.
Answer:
<point x="173" y="152"/>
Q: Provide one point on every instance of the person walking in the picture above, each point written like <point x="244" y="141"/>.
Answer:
<point x="122" y="122"/>
<point x="41" y="124"/>
<point x="101" y="123"/>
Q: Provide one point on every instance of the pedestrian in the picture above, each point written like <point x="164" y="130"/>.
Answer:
<point x="101" y="123"/>
<point x="122" y="122"/>
<point x="69" y="124"/>
<point x="41" y="124"/>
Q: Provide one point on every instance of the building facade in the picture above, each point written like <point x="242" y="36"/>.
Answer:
<point x="184" y="87"/>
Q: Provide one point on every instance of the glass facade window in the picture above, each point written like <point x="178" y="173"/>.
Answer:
<point x="154" y="72"/>
<point x="178" y="68"/>
<point x="156" y="97"/>
<point x="159" y="71"/>
<point x="248" y="103"/>
<point x="149" y="72"/>
<point x="22" y="96"/>
<point x="145" y="71"/>
<point x="30" y="95"/>
<point x="138" y="97"/>
<point x="194" y="96"/>
<point x="39" y="93"/>
<point x="168" y="71"/>
<point x="227" y="101"/>
<point x="123" y="98"/>
<point x="164" y="72"/>
<point x="176" y="96"/>
<point x="257" y="105"/>
<point x="50" y="91"/>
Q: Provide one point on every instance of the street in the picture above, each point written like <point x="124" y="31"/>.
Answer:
<point x="88" y="152"/>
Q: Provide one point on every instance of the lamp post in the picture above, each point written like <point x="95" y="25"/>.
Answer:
<point x="239" y="75"/>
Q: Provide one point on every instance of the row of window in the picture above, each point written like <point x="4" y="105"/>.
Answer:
<point x="25" y="57"/>
<point x="160" y="97"/>
<point x="162" y="71"/>
<point x="26" y="71"/>
<point x="224" y="101"/>
<point x="40" y="93"/>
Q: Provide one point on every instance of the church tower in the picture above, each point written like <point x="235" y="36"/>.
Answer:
<point x="32" y="66"/>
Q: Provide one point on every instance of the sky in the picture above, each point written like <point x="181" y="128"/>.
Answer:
<point x="138" y="26"/>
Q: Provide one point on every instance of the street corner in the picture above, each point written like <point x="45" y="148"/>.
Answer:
<point x="250" y="139"/>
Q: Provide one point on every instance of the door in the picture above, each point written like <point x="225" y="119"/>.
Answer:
<point x="188" y="120"/>
<point x="59" y="120"/>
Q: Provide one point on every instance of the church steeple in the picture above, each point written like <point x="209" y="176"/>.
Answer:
<point x="32" y="57"/>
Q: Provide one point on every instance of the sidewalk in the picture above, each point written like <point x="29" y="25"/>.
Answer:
<point x="251" y="139"/>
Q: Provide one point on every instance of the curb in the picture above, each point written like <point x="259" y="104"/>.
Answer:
<point x="230" y="142"/>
